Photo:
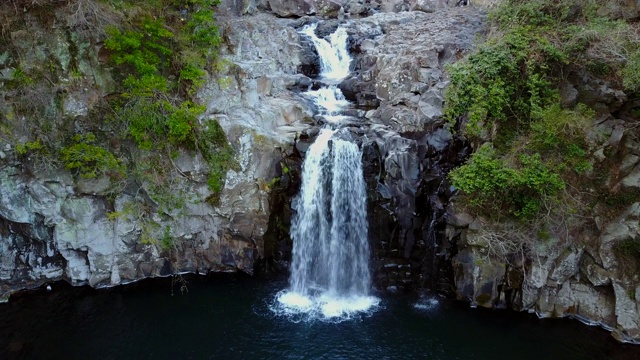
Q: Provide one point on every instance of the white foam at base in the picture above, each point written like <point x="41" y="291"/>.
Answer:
<point x="426" y="304"/>
<point x="323" y="307"/>
<point x="295" y="301"/>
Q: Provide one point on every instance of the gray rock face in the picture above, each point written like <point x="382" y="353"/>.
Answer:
<point x="293" y="8"/>
<point x="592" y="282"/>
<point x="400" y="61"/>
<point x="250" y="92"/>
<point x="54" y="226"/>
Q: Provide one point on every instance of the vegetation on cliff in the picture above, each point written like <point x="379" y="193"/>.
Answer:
<point x="512" y="98"/>
<point x="135" y="67"/>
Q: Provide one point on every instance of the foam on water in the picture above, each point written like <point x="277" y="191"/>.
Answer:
<point x="299" y="307"/>
<point x="426" y="304"/>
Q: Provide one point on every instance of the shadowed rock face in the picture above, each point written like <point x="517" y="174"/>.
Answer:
<point x="399" y="73"/>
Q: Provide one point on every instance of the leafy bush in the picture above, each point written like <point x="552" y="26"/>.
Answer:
<point x="151" y="123"/>
<point x="30" y="146"/>
<point x="631" y="72"/>
<point x="506" y="81"/>
<point x="200" y="27"/>
<point x="147" y="52"/>
<point x="506" y="96"/>
<point x="519" y="190"/>
<point x="91" y="160"/>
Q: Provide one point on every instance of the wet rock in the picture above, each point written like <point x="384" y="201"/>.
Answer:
<point x="309" y="58"/>
<point x="355" y="85"/>
<point x="302" y="84"/>
<point x="366" y="100"/>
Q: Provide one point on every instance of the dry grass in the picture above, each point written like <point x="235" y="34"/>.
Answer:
<point x="92" y="17"/>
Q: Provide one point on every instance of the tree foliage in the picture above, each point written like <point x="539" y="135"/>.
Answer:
<point x="506" y="98"/>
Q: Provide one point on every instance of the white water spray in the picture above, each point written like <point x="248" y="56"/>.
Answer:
<point x="330" y="277"/>
<point x="334" y="56"/>
<point x="334" y="67"/>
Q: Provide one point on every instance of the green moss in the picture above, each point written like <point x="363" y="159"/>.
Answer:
<point x="218" y="153"/>
<point x="19" y="79"/>
<point x="167" y="240"/>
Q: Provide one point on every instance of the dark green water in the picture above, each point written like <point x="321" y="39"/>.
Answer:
<point x="228" y="317"/>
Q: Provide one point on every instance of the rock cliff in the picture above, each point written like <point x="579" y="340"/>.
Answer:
<point x="101" y="232"/>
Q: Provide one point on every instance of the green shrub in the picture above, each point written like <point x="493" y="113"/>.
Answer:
<point x="506" y="81"/>
<point x="20" y="79"/>
<point x="631" y="72"/>
<point x="151" y="123"/>
<point x="91" y="160"/>
<point x="30" y="146"/>
<point x="519" y="190"/>
<point x="200" y="26"/>
<point x="218" y="153"/>
<point x="507" y="94"/>
<point x="167" y="240"/>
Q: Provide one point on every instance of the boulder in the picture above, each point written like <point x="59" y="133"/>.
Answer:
<point x="292" y="8"/>
<point x="328" y="8"/>
<point x="428" y="6"/>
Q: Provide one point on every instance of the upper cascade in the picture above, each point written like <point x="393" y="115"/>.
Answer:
<point x="335" y="63"/>
<point x="334" y="57"/>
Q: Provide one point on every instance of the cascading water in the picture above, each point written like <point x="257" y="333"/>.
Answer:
<point x="334" y="66"/>
<point x="330" y="276"/>
<point x="334" y="56"/>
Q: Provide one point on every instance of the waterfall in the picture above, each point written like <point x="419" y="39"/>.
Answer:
<point x="334" y="57"/>
<point x="330" y="276"/>
<point x="334" y="67"/>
